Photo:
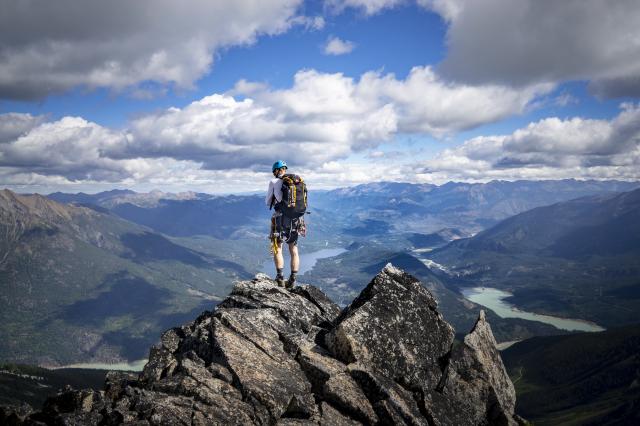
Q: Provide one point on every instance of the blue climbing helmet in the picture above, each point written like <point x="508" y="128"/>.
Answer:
<point x="278" y="165"/>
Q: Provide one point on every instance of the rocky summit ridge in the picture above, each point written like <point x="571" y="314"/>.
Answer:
<point x="271" y="356"/>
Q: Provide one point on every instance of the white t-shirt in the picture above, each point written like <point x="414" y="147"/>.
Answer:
<point x="275" y="189"/>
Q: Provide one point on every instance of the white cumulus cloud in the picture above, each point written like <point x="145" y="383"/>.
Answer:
<point x="369" y="7"/>
<point x="548" y="149"/>
<point x="71" y="147"/>
<point x="322" y="118"/>
<point x="429" y="104"/>
<point x="336" y="46"/>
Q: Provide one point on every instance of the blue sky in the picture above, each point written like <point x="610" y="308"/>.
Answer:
<point x="186" y="97"/>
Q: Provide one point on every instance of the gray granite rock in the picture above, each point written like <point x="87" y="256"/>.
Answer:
<point x="332" y="382"/>
<point x="394" y="327"/>
<point x="393" y="403"/>
<point x="475" y="387"/>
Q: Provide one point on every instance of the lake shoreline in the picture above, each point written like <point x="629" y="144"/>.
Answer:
<point x="494" y="299"/>
<point x="136" y="366"/>
<point x="307" y="260"/>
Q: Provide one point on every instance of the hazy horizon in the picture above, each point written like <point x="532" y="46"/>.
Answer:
<point x="263" y="190"/>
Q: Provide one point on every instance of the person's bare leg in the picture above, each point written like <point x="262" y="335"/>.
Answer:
<point x="295" y="264"/>
<point x="278" y="260"/>
<point x="295" y="259"/>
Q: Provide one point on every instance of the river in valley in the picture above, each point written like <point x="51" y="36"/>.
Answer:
<point x="307" y="260"/>
<point x="493" y="299"/>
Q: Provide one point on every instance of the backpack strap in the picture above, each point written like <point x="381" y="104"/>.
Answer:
<point x="288" y="180"/>
<point x="305" y="194"/>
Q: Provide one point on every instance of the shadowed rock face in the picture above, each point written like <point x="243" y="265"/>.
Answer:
<point x="475" y="372"/>
<point x="270" y="356"/>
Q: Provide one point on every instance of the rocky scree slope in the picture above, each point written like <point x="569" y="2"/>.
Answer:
<point x="269" y="356"/>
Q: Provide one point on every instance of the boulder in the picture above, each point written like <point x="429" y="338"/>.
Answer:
<point x="333" y="383"/>
<point x="394" y="327"/>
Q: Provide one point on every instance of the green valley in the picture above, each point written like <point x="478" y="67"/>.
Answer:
<point x="579" y="379"/>
<point x="80" y="285"/>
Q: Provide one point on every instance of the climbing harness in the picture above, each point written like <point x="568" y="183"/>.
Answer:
<point x="285" y="229"/>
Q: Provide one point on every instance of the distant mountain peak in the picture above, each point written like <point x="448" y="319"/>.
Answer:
<point x="596" y="224"/>
<point x="33" y="206"/>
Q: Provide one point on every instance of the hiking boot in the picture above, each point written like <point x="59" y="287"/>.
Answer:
<point x="290" y="282"/>
<point x="280" y="281"/>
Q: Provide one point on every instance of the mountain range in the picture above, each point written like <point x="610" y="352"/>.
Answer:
<point x="63" y="262"/>
<point x="469" y="207"/>
<point x="180" y="215"/>
<point x="578" y="258"/>
<point x="360" y="211"/>
<point x="602" y="225"/>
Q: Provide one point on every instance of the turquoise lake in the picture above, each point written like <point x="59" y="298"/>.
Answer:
<point x="493" y="299"/>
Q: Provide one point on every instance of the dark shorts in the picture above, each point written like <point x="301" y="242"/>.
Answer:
<point x="287" y="229"/>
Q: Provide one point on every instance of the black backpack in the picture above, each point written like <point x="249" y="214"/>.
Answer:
<point x="294" y="196"/>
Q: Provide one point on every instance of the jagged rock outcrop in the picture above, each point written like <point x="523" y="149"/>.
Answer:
<point x="271" y="356"/>
<point x="394" y="327"/>
<point x="474" y="372"/>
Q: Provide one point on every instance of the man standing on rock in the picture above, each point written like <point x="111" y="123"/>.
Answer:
<point x="290" y="202"/>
